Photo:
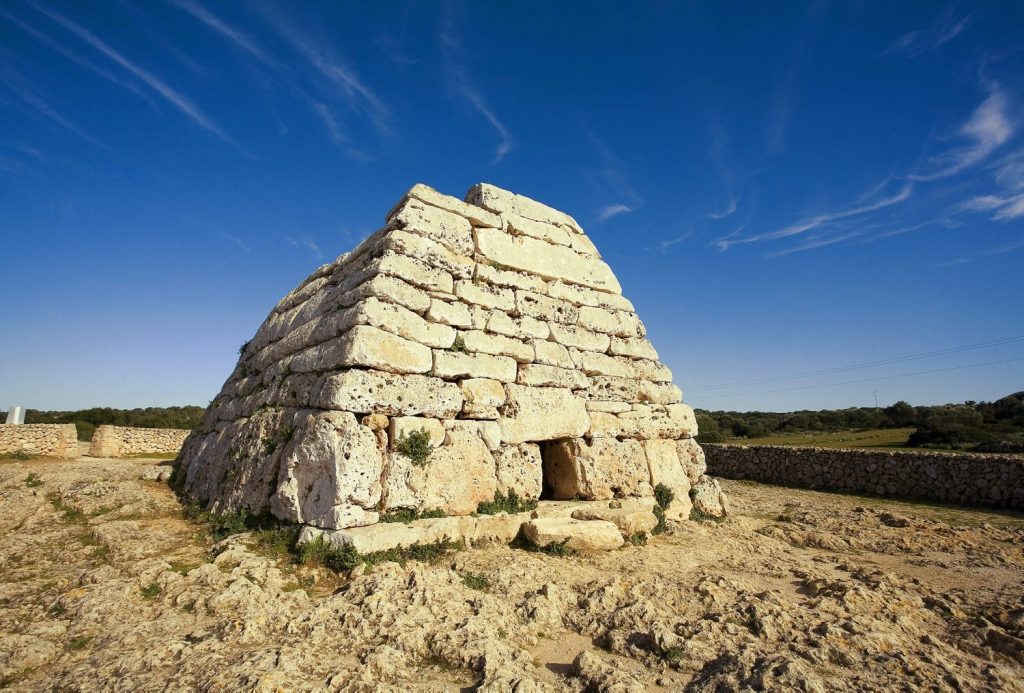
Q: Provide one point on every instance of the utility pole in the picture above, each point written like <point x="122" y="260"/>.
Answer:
<point x="876" y="399"/>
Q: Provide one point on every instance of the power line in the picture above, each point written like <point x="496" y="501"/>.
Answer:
<point x="860" y="366"/>
<point x="868" y="380"/>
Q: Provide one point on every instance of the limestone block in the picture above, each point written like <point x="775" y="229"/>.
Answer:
<point x="451" y="313"/>
<point x="608" y="407"/>
<point x="477" y="341"/>
<point x="562" y="508"/>
<point x="542" y="413"/>
<point x="485" y="295"/>
<point x="509" y="279"/>
<point x="628" y="521"/>
<point x="707" y="497"/>
<point x="496" y="529"/>
<point x="429" y="252"/>
<point x="593" y="363"/>
<point x="582" y="296"/>
<point x="535" y="305"/>
<point x="551" y="354"/>
<point x="519" y="469"/>
<point x="545" y="260"/>
<point x="635" y="347"/>
<point x="601" y="469"/>
<point x="612" y="322"/>
<point x="521" y="226"/>
<point x="450" y="230"/>
<point x="405" y="323"/>
<point x="540" y="375"/>
<point x="330" y="473"/>
<point x="413" y="272"/>
<point x="402" y="426"/>
<point x="452" y="365"/>
<point x="390" y="289"/>
<point x="580" y="338"/>
<point x="521" y="328"/>
<point x="583" y="245"/>
<point x="455" y="478"/>
<point x="578" y="535"/>
<point x="659" y="393"/>
<point x="476" y="215"/>
<point x="391" y="535"/>
<point x="604" y="425"/>
<point x="652" y="370"/>
<point x="613" y="389"/>
<point x="504" y="202"/>
<point x="481" y="316"/>
<point x="666" y="468"/>
<point x="385" y="393"/>
<point x="691" y="455"/>
<point x="648" y="421"/>
<point x="483" y="391"/>
<point x="368" y="346"/>
<point x="375" y="422"/>
<point x="487" y="431"/>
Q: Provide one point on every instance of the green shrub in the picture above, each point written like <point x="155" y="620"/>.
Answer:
<point x="476" y="581"/>
<point x="664" y="496"/>
<point x="701" y="516"/>
<point x="415" y="445"/>
<point x="20" y="456"/>
<point x="151" y="591"/>
<point x="510" y="503"/>
<point x="659" y="512"/>
<point x="241" y="349"/>
<point x="637" y="538"/>
<point x="80" y="642"/>
<point x="406" y="516"/>
<point x="458" y="345"/>
<point x="33" y="480"/>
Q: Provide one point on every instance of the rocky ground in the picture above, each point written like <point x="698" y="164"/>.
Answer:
<point x="105" y="585"/>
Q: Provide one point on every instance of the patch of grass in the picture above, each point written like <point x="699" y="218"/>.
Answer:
<point x="320" y="552"/>
<point x="509" y="503"/>
<point x="183" y="567"/>
<point x="415" y="445"/>
<point x="278" y="542"/>
<point x="659" y="513"/>
<point x="17" y="455"/>
<point x="33" y="480"/>
<point x="701" y="516"/>
<point x="101" y="552"/>
<point x="637" y="538"/>
<point x="458" y="345"/>
<point x="560" y="549"/>
<point x="406" y="516"/>
<point x="88" y="539"/>
<point x="223" y="525"/>
<point x="57" y="610"/>
<point x="871" y="438"/>
<point x="80" y="643"/>
<point x="102" y="510"/>
<point x="151" y="591"/>
<point x="476" y="581"/>
<point x="68" y="513"/>
<point x="663" y="496"/>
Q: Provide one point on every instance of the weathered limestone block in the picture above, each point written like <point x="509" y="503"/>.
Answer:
<point x="659" y="393"/>
<point x="535" y="305"/>
<point x="368" y="392"/>
<point x="546" y="260"/>
<point x="481" y="398"/>
<point x="452" y="365"/>
<point x="520" y="328"/>
<point x="390" y="289"/>
<point x="542" y="413"/>
<point x="608" y="407"/>
<point x="658" y="421"/>
<point x="485" y="295"/>
<point x="477" y="341"/>
<point x="450" y="313"/>
<point x="487" y="431"/>
<point x="519" y="469"/>
<point x="401" y="426"/>
<point x="593" y="363"/>
<point x="551" y="354"/>
<point x="583" y="245"/>
<point x="652" y="370"/>
<point x="366" y="346"/>
<point x="430" y="253"/>
<point x="451" y="230"/>
<point x="604" y="425"/>
<point x="691" y="455"/>
<point x="613" y="322"/>
<point x="578" y="535"/>
<point x="504" y="202"/>
<point x="582" y="296"/>
<point x="613" y="389"/>
<point x="521" y="226"/>
<point x="580" y="338"/>
<point x="708" y="498"/>
<point x="509" y="278"/>
<point x="540" y="375"/>
<point x="666" y="468"/>
<point x="628" y="521"/>
<point x="604" y="468"/>
<point x="455" y="478"/>
<point x="413" y="272"/>
<point x="476" y="215"/>
<point x="330" y="473"/>
<point x="635" y="347"/>
<point x="405" y="323"/>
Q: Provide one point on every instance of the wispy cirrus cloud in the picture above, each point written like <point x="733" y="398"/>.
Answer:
<point x="1002" y="249"/>
<point x="946" y="28"/>
<point x="613" y="211"/>
<point x="611" y="180"/>
<point x="815" y="242"/>
<point x="460" y="82"/>
<point x="663" y="246"/>
<point x="1008" y="203"/>
<point x="20" y="88"/>
<point x="304" y="242"/>
<point x="237" y="241"/>
<point x="215" y="23"/>
<point x="734" y="203"/>
<point x="173" y="97"/>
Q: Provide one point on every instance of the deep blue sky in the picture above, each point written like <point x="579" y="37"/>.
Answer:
<point x="781" y="187"/>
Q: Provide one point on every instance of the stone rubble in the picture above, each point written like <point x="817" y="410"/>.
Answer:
<point x="493" y="325"/>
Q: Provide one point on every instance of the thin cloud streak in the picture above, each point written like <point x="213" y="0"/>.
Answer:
<point x="40" y="106"/>
<point x="218" y="25"/>
<point x="613" y="211"/>
<point x="920" y="41"/>
<point x="176" y="99"/>
<point x="734" y="204"/>
<point x="665" y="245"/>
<point x="237" y="241"/>
<point x="813" y="243"/>
<point x="305" y="242"/>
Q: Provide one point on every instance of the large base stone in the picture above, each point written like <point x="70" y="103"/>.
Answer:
<point x="578" y="535"/>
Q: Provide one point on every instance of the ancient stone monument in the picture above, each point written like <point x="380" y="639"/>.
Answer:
<point x="489" y="334"/>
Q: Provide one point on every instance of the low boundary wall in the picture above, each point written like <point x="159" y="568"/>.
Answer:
<point x="993" y="480"/>
<point x="53" y="440"/>
<point x="125" y="441"/>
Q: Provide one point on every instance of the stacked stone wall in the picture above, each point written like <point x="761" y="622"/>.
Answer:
<point x="125" y="441"/>
<point x="992" y="480"/>
<point x="52" y="440"/>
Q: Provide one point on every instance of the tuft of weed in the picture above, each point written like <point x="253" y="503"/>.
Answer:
<point x="151" y="591"/>
<point x="476" y="581"/>
<point x="405" y="515"/>
<point x="33" y="480"/>
<point x="663" y="496"/>
<point x="80" y="643"/>
<point x="637" y="538"/>
<point x="701" y="516"/>
<point x="559" y="548"/>
<point x="509" y="503"/>
<point x="415" y="445"/>
<point x="17" y="455"/>
<point x="459" y="345"/>
<point x="659" y="512"/>
<point x="320" y="552"/>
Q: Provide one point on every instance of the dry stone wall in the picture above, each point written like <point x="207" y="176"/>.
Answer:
<point x="124" y="441"/>
<point x="492" y="324"/>
<point x="993" y="480"/>
<point x="52" y="440"/>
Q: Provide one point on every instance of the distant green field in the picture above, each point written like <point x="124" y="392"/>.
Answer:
<point x="874" y="438"/>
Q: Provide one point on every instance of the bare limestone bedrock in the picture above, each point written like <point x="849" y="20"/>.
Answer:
<point x="492" y="324"/>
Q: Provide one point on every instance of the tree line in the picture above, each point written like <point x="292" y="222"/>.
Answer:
<point x="980" y="426"/>
<point x="86" y="420"/>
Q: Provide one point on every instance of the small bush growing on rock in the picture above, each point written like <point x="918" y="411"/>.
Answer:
<point x="659" y="512"/>
<point x="80" y="642"/>
<point x="241" y="349"/>
<point x="404" y="515"/>
<point x="663" y="496"/>
<point x="458" y="345"/>
<point x="151" y="591"/>
<point x="33" y="480"/>
<point x="476" y="581"/>
<point x="701" y="516"/>
<point x="637" y="538"/>
<point x="415" y="445"/>
<point x="509" y="503"/>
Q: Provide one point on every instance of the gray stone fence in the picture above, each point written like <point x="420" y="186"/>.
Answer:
<point x="52" y="440"/>
<point x="993" y="480"/>
<point x="125" y="441"/>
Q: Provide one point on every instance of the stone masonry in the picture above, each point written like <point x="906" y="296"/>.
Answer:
<point x="124" y="441"/>
<point x="494" y="326"/>
<point x="52" y="440"/>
